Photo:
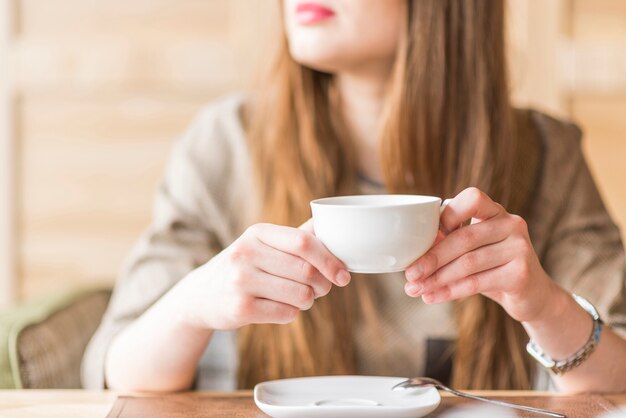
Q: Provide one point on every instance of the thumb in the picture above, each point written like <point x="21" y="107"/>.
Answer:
<point x="307" y="226"/>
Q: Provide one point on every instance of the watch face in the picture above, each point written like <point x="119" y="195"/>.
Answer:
<point x="543" y="359"/>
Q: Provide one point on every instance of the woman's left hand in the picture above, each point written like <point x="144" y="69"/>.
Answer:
<point x="492" y="256"/>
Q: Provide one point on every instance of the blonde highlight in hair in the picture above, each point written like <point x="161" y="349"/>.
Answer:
<point x="447" y="125"/>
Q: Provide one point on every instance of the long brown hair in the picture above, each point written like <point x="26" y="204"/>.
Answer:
<point x="447" y="125"/>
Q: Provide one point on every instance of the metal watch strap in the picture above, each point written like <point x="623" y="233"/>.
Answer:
<point x="563" y="366"/>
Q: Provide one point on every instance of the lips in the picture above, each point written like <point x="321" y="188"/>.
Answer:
<point x="310" y="12"/>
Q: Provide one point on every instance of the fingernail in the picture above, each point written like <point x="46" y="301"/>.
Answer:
<point x="343" y="277"/>
<point x="414" y="288"/>
<point x="414" y="273"/>
<point x="428" y="298"/>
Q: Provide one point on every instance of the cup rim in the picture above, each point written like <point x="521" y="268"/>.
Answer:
<point x="334" y="201"/>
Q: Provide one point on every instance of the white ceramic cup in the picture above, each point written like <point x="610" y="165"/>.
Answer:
<point x="377" y="233"/>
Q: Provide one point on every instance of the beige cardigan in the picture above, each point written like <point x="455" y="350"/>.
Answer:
<point x="207" y="197"/>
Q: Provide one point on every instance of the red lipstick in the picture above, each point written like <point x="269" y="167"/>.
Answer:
<point x="310" y="12"/>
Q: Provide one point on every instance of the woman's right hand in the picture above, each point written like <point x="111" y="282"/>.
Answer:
<point x="267" y="275"/>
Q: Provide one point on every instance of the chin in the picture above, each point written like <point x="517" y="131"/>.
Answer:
<point x="325" y="59"/>
<point x="318" y="63"/>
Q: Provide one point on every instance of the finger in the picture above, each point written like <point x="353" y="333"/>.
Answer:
<point x="304" y="245"/>
<point x="481" y="259"/>
<point x="485" y="281"/>
<point x="263" y="285"/>
<point x="290" y="267"/>
<point x="265" y="311"/>
<point x="459" y="242"/>
<point x="470" y="203"/>
<point x="440" y="237"/>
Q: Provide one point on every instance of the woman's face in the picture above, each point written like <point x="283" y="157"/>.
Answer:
<point x="343" y="35"/>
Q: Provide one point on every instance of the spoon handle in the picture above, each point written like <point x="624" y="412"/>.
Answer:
<point x="501" y="403"/>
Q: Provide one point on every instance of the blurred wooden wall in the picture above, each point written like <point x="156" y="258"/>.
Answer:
<point x="595" y="88"/>
<point x="569" y="59"/>
<point x="99" y="90"/>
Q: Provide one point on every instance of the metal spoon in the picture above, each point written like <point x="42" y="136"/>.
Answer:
<point x="421" y="382"/>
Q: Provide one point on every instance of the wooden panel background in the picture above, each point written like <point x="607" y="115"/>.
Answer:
<point x="597" y="93"/>
<point x="104" y="87"/>
<point x="7" y="171"/>
<point x="101" y="89"/>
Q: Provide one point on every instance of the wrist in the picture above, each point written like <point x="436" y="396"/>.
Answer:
<point x="562" y="327"/>
<point x="564" y="365"/>
<point x="555" y="304"/>
<point x="178" y="307"/>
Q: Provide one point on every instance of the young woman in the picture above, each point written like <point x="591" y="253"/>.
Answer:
<point x="225" y="289"/>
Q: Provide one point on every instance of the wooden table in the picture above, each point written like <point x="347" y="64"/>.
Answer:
<point x="86" y="404"/>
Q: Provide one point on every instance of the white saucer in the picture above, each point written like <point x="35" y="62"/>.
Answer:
<point x="343" y="396"/>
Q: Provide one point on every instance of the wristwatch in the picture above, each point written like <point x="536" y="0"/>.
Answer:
<point x="562" y="366"/>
